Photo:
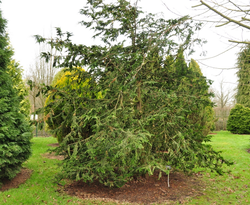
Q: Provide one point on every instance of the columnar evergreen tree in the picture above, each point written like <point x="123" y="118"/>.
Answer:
<point x="15" y="131"/>
<point x="191" y="83"/>
<point x="142" y="122"/>
<point x="207" y="115"/>
<point x="243" y="88"/>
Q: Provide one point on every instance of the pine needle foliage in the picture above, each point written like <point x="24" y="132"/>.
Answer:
<point x="15" y="132"/>
<point x="145" y="119"/>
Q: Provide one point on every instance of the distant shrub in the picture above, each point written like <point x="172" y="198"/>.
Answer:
<point x="239" y="120"/>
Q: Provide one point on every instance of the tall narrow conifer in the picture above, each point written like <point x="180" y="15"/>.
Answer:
<point x="15" y="132"/>
<point x="243" y="88"/>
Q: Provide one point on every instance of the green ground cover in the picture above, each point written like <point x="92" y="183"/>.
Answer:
<point x="231" y="188"/>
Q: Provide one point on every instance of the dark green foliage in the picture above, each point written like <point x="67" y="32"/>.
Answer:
<point x="147" y="116"/>
<point x="239" y="120"/>
<point x="15" y="131"/>
<point x="243" y="88"/>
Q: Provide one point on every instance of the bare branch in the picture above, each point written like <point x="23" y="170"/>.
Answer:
<point x="217" y="67"/>
<point x="219" y="53"/>
<point x="237" y="6"/>
<point x="242" y="42"/>
<point x="223" y="24"/>
<point x="245" y="19"/>
<point x="224" y="16"/>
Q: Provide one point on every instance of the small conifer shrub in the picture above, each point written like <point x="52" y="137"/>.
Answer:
<point x="239" y="120"/>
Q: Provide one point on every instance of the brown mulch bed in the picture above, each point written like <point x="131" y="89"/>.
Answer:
<point x="53" y="156"/>
<point x="20" y="178"/>
<point x="212" y="134"/>
<point x="54" y="145"/>
<point x="145" y="190"/>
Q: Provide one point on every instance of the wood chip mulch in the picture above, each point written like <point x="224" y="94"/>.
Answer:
<point x="145" y="190"/>
<point x="20" y="178"/>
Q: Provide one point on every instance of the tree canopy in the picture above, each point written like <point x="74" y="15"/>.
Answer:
<point x="149" y="114"/>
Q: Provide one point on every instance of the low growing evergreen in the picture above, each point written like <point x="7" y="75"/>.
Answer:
<point x="15" y="132"/>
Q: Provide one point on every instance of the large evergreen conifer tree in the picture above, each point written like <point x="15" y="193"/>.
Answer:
<point x="15" y="132"/>
<point x="142" y="122"/>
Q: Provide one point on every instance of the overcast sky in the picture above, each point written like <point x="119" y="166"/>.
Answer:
<point x="30" y="17"/>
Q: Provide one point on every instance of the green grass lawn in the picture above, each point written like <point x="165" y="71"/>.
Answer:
<point x="231" y="188"/>
<point x="40" y="188"/>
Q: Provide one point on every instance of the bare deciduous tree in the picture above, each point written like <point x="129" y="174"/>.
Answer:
<point x="224" y="96"/>
<point x="41" y="72"/>
<point x="224" y="100"/>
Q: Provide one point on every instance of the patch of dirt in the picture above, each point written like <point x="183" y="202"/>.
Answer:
<point x="54" y="145"/>
<point x="248" y="150"/>
<point x="212" y="134"/>
<point x="20" y="178"/>
<point x="145" y="190"/>
<point x="53" y="156"/>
